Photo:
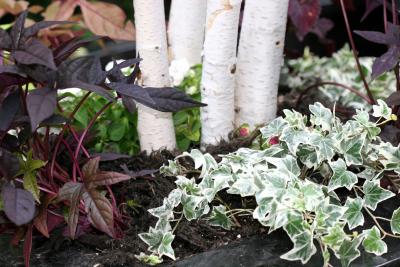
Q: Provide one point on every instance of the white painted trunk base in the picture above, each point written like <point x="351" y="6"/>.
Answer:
<point x="218" y="78"/>
<point x="260" y="58"/>
<point x="186" y="30"/>
<point x="156" y="129"/>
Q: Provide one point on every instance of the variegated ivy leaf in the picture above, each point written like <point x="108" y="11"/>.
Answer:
<point x="165" y="211"/>
<point x="374" y="194"/>
<point x="216" y="181"/>
<point x="293" y="138"/>
<point x="295" y="119"/>
<point x="382" y="110"/>
<point x="353" y="214"/>
<point x="172" y="169"/>
<point x="324" y="147"/>
<point x="163" y="225"/>
<point x="206" y="161"/>
<point x="395" y="222"/>
<point x="151" y="260"/>
<point x="194" y="206"/>
<point x="373" y="242"/>
<point x="219" y="218"/>
<point x="303" y="248"/>
<point x="296" y="224"/>
<point x="308" y="156"/>
<point x="367" y="174"/>
<point x="362" y="117"/>
<point x="351" y="149"/>
<point x="244" y="186"/>
<point x="321" y="116"/>
<point x="341" y="176"/>
<point x="189" y="186"/>
<point x="335" y="237"/>
<point x="348" y="251"/>
<point x="274" y="128"/>
<point x="277" y="217"/>
<point x="328" y="215"/>
<point x="159" y="242"/>
<point x="391" y="155"/>
<point x="288" y="163"/>
<point x="312" y="195"/>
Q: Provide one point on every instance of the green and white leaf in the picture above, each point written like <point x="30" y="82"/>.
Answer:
<point x="374" y="194"/>
<point x="395" y="222"/>
<point x="341" y="176"/>
<point x="303" y="248"/>
<point x="373" y="242"/>
<point x="219" y="218"/>
<point x="353" y="214"/>
<point x="382" y="110"/>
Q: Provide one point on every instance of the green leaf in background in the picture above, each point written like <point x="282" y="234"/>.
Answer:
<point x="219" y="218"/>
<point x="395" y="222"/>
<point x="353" y="214"/>
<point x="373" y="242"/>
<point x="341" y="176"/>
<point x="374" y="194"/>
<point x="348" y="251"/>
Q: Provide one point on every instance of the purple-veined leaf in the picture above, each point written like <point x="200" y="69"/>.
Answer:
<point x="35" y="52"/>
<point x="322" y="27"/>
<point x="9" y="164"/>
<point x="304" y="15"/>
<point x="8" y="80"/>
<point x="170" y="99"/>
<point x="134" y="91"/>
<point x="67" y="48"/>
<point x="105" y="178"/>
<point x="394" y="99"/>
<point x="91" y="167"/>
<point x="375" y="37"/>
<point x="5" y="40"/>
<point x="129" y="104"/>
<point x="385" y="62"/>
<point x="100" y="211"/>
<point x="41" y="104"/>
<point x="72" y="192"/>
<point x="17" y="29"/>
<point x="393" y="34"/>
<point x="109" y="156"/>
<point x="370" y="6"/>
<point x="12" y="69"/>
<point x="19" y="204"/>
<point x="93" y="88"/>
<point x="53" y="120"/>
<point x="8" y="109"/>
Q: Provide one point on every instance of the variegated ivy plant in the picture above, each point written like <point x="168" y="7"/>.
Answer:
<point x="294" y="183"/>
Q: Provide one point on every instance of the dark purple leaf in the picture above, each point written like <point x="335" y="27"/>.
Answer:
<point x="129" y="104"/>
<point x="322" y="27"/>
<point x="11" y="143"/>
<point x="35" y="52"/>
<point x="107" y="156"/>
<point x="375" y="37"/>
<point x="134" y="91"/>
<point x="54" y="120"/>
<point x="104" y="178"/>
<point x="93" y="88"/>
<point x="19" y="204"/>
<point x="67" y="48"/>
<point x="8" y="109"/>
<point x="304" y="14"/>
<point x="370" y="6"/>
<point x="169" y="99"/>
<point x="84" y="69"/>
<point x="9" y="164"/>
<point x="5" y="40"/>
<point x="390" y="134"/>
<point x="12" y="69"/>
<point x="41" y="104"/>
<point x="385" y="62"/>
<point x="17" y="29"/>
<point x="394" y="99"/>
<point x="8" y="80"/>
<point x="141" y="173"/>
<point x="393" y="34"/>
<point x="39" y="73"/>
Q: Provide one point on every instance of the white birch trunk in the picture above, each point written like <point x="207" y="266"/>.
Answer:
<point x="156" y="129"/>
<point x="186" y="26"/>
<point x="218" y="70"/>
<point x="260" y="58"/>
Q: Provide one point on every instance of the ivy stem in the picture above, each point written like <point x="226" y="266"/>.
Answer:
<point x="227" y="206"/>
<point x="379" y="225"/>
<point x="177" y="223"/>
<point x="355" y="53"/>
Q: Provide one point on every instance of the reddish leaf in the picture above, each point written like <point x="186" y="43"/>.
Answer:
<point x="107" y="20"/>
<point x="304" y="14"/>
<point x="19" y="204"/>
<point x="14" y="7"/>
<point x="375" y="37"/>
<point x="60" y="10"/>
<point x="91" y="167"/>
<point x="100" y="211"/>
<point x="40" y="222"/>
<point x="53" y="221"/>
<point x="35" y="28"/>
<point x="41" y="104"/>
<point x="28" y="245"/>
<point x="105" y="178"/>
<point x="322" y="27"/>
<point x="72" y="192"/>
<point x="109" y="156"/>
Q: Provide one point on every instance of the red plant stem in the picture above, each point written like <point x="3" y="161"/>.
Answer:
<point x="41" y="188"/>
<point x="355" y="53"/>
<point x="353" y="90"/>
<point x="396" y="68"/>
<point x="77" y="140"/>
<point x="385" y="19"/>
<point x="57" y="147"/>
<point x="83" y="135"/>
<point x="394" y="12"/>
<point x="113" y="201"/>
<point x="75" y="162"/>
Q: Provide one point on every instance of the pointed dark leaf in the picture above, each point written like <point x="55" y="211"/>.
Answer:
<point x="304" y="15"/>
<point x="108" y="156"/>
<point x="129" y="104"/>
<point x="35" y="28"/>
<point x="9" y="164"/>
<point x="54" y="120"/>
<point x="67" y="48"/>
<point x="126" y="63"/>
<point x="10" y="79"/>
<point x="322" y="27"/>
<point x="385" y="62"/>
<point x="370" y="6"/>
<point x="39" y="73"/>
<point x="5" y="40"/>
<point x="170" y="99"/>
<point x="12" y="69"/>
<point x="35" y="52"/>
<point x="84" y="69"/>
<point x="19" y="204"/>
<point x="91" y="167"/>
<point x="375" y="37"/>
<point x="393" y="34"/>
<point x="394" y="99"/>
<point x="40" y="221"/>
<point x="100" y="211"/>
<point x="93" y="88"/>
<point x="72" y="192"/>
<point x="18" y="29"/>
<point x="134" y="91"/>
<point x="41" y="104"/>
<point x="105" y="178"/>
<point x="8" y="109"/>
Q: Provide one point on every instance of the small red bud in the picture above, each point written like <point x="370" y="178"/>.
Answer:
<point x="274" y="140"/>
<point x="244" y="131"/>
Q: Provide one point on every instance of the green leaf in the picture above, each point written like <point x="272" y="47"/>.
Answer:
<point x="321" y="116"/>
<point x="303" y="248"/>
<point x="348" y="251"/>
<point x="218" y="218"/>
<point x="382" y="110"/>
<point x="335" y="237"/>
<point x="395" y="222"/>
<point x="151" y="260"/>
<point x="31" y="185"/>
<point x="159" y="242"/>
<point x="373" y="242"/>
<point x="351" y="149"/>
<point x="194" y="206"/>
<point x="391" y="155"/>
<point x="341" y="176"/>
<point x="293" y="138"/>
<point x="324" y="147"/>
<point x="362" y="117"/>
<point x="117" y="131"/>
<point x="295" y="119"/>
<point x="312" y="195"/>
<point x="295" y="225"/>
<point x="353" y="213"/>
<point x="274" y="128"/>
<point x="288" y="163"/>
<point x="374" y="194"/>
<point x="165" y="247"/>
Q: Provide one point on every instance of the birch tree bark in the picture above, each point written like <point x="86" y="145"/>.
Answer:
<point x="219" y="70"/>
<point x="186" y="26"/>
<point x="260" y="58"/>
<point x="156" y="129"/>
